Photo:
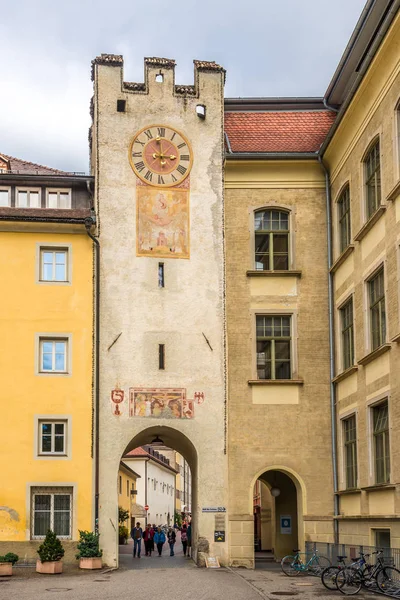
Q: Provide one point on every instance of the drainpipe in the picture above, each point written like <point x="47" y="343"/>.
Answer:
<point x="331" y="349"/>
<point x="89" y="222"/>
<point x="145" y="488"/>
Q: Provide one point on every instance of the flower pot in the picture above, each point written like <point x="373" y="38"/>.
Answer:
<point x="50" y="568"/>
<point x="122" y="541"/>
<point x="91" y="563"/>
<point x="5" y="569"/>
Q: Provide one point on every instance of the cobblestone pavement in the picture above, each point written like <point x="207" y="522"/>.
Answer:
<point x="183" y="582"/>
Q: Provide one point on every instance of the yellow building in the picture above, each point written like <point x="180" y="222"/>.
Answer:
<point x="46" y="308"/>
<point x="127" y="490"/>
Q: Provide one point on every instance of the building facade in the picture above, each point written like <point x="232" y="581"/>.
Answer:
<point x="127" y="491"/>
<point x="46" y="267"/>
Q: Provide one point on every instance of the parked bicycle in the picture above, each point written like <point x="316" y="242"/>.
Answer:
<point x="352" y="578"/>
<point x="292" y="565"/>
<point x="329" y="574"/>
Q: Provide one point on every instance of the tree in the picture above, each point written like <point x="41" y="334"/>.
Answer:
<point x="123" y="515"/>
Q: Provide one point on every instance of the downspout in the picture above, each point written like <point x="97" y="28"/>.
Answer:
<point x="331" y="350"/>
<point x="145" y="488"/>
<point x="88" y="224"/>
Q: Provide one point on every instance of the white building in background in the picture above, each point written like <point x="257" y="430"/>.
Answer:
<point x="155" y="488"/>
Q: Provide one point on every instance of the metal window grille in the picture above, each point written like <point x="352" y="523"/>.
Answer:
<point x="350" y="451"/>
<point x="51" y="508"/>
<point x="347" y="334"/>
<point x="271" y="240"/>
<point x="381" y="443"/>
<point x="344" y="218"/>
<point x="372" y="167"/>
<point x="377" y="310"/>
<point x="273" y="347"/>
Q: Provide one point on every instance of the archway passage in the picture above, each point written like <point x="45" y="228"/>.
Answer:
<point x="275" y="509"/>
<point x="155" y="498"/>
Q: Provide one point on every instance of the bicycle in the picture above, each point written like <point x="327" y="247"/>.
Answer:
<point x="293" y="565"/>
<point x="350" y="579"/>
<point x="329" y="574"/>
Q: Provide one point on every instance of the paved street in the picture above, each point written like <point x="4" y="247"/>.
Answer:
<point x="184" y="582"/>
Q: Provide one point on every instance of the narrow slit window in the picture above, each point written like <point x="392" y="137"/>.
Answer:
<point x="161" y="356"/>
<point x="161" y="282"/>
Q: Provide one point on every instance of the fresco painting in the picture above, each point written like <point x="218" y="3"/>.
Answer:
<point x="162" y="222"/>
<point x="167" y="403"/>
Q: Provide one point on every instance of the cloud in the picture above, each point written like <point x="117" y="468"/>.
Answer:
<point x="268" y="48"/>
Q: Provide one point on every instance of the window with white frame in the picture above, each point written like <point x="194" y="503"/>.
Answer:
<point x="52" y="437"/>
<point x="271" y="240"/>
<point x="54" y="264"/>
<point x="28" y="198"/>
<point x="5" y="196"/>
<point x="58" y="198"/>
<point x="53" y="355"/>
<point x="51" y="509"/>
<point x="273" y="346"/>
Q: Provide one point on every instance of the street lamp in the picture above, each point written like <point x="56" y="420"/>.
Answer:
<point x="157" y="442"/>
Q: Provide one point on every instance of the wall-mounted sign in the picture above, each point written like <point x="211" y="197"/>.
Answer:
<point x="219" y="536"/>
<point x="286" y="524"/>
<point x="213" y="509"/>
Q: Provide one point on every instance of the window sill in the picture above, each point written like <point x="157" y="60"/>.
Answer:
<point x="370" y="223"/>
<point x="396" y="339"/>
<point x="259" y="273"/>
<point x="374" y="354"/>
<point x="394" y="192"/>
<point x="367" y="517"/>
<point x="349" y="491"/>
<point x="275" y="381"/>
<point x="345" y="374"/>
<point x="378" y="486"/>
<point x="340" y="260"/>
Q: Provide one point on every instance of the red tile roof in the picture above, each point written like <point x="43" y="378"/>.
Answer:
<point x="277" y="131"/>
<point x="25" y="167"/>
<point x="137" y="452"/>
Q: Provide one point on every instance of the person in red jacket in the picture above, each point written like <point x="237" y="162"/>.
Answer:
<point x="148" y="540"/>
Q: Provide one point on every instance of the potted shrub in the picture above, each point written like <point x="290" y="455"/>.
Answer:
<point x="6" y="563"/>
<point x="50" y="554"/>
<point x="123" y="534"/>
<point x="89" y="552"/>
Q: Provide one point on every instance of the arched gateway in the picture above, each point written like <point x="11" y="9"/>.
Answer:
<point x="159" y="207"/>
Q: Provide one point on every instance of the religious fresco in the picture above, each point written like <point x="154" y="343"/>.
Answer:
<point x="162" y="222"/>
<point x="167" y="403"/>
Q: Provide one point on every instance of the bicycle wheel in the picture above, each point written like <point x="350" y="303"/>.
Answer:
<point x="388" y="580"/>
<point x="290" y="565"/>
<point x="318" y="564"/>
<point x="349" y="581"/>
<point x="328" y="577"/>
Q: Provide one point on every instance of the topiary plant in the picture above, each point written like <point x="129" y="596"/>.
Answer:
<point x="51" y="549"/>
<point x="88" y="545"/>
<point x="10" y="557"/>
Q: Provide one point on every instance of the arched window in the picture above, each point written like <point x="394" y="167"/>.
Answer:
<point x="344" y="218"/>
<point x="271" y="240"/>
<point x="372" y="168"/>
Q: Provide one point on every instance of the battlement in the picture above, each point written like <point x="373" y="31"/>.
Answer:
<point x="158" y="70"/>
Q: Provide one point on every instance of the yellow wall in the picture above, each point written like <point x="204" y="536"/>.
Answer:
<point x="126" y="500"/>
<point x="28" y="308"/>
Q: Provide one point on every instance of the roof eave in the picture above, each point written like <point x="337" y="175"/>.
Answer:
<point x="271" y="103"/>
<point x="272" y="155"/>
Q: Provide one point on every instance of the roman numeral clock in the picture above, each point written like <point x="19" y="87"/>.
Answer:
<point x="161" y="158"/>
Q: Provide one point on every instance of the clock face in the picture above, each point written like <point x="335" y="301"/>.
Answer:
<point x="161" y="156"/>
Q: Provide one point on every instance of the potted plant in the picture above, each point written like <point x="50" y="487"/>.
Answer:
<point x="123" y="533"/>
<point x="89" y="552"/>
<point x="50" y="554"/>
<point x="6" y="563"/>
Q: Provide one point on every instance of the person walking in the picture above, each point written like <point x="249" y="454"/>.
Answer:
<point x="189" y="539"/>
<point x="159" y="540"/>
<point x="184" y="538"/>
<point x="148" y="540"/>
<point x="136" y="535"/>
<point x="171" y="541"/>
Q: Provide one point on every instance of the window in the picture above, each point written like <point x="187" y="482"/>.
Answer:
<point x="52" y="437"/>
<point x="53" y="355"/>
<point x="344" y="218"/>
<point x="53" y="264"/>
<point x="120" y="484"/>
<point x="58" y="198"/>
<point x="346" y="313"/>
<point x="350" y="451"/>
<point x="51" y="510"/>
<point x="271" y="240"/>
<point x="273" y="347"/>
<point x="382" y="538"/>
<point x="372" y="167"/>
<point x="377" y="310"/>
<point x="161" y="356"/>
<point x="127" y="488"/>
<point x="4" y="197"/>
<point x="27" y="198"/>
<point x="381" y="442"/>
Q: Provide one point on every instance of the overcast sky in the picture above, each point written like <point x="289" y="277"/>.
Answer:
<point x="269" y="48"/>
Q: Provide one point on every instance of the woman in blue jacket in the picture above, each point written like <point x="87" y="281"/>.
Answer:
<point x="159" y="540"/>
